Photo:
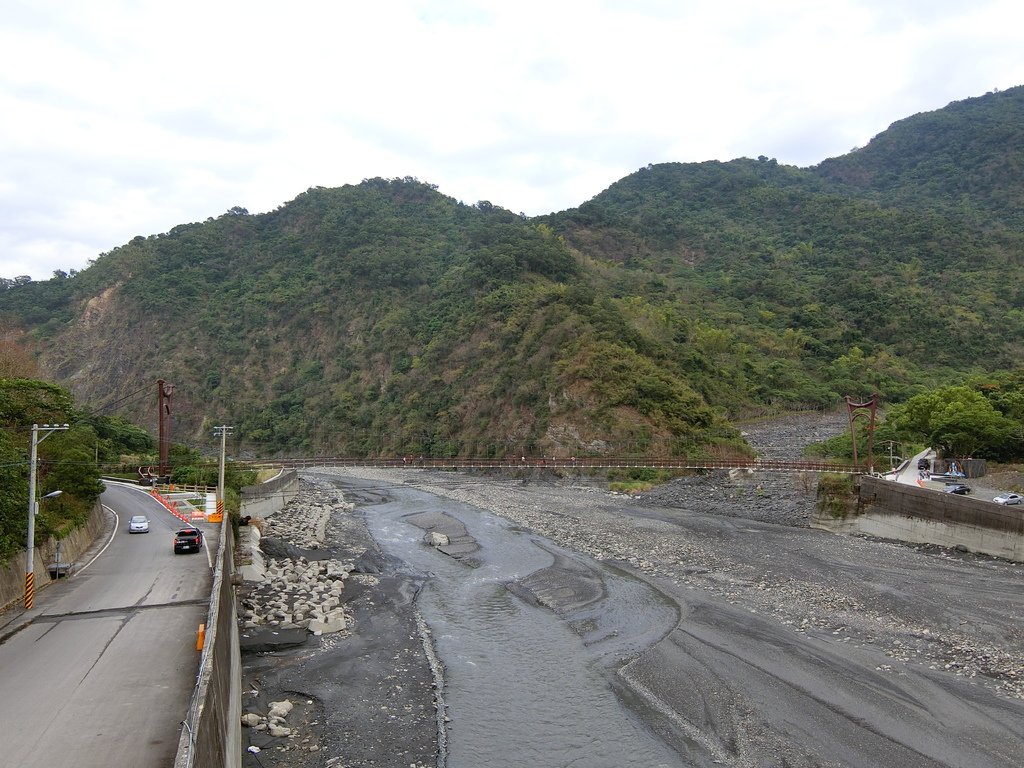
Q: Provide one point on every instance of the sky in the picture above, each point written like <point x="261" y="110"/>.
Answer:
<point x="128" y="117"/>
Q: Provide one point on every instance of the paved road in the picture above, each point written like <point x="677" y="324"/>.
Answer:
<point x="911" y="475"/>
<point x="102" y="673"/>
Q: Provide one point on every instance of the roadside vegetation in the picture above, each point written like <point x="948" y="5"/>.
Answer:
<point x="69" y="460"/>
<point x="190" y="467"/>
<point x="836" y="495"/>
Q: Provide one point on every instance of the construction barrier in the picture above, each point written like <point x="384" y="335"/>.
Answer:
<point x="170" y="506"/>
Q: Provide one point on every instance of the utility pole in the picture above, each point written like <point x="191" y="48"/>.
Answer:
<point x="33" y="507"/>
<point x="223" y="430"/>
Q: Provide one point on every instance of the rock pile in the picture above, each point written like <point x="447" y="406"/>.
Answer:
<point x="778" y="498"/>
<point x="286" y="589"/>
<point x="303" y="522"/>
<point x="274" y="722"/>
<point x="298" y="593"/>
<point x="786" y="437"/>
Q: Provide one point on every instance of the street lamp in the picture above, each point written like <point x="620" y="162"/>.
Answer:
<point x="33" y="505"/>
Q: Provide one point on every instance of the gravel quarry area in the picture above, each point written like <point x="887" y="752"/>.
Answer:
<point x="793" y="646"/>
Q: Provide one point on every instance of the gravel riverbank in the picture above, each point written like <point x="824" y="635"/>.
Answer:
<point x="859" y="636"/>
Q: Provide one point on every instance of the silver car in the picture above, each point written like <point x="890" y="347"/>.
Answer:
<point x="1008" y="498"/>
<point x="138" y="524"/>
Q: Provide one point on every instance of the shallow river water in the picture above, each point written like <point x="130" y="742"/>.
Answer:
<point x="521" y="686"/>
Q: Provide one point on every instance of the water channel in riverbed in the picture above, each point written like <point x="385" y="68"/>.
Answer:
<point x="521" y="687"/>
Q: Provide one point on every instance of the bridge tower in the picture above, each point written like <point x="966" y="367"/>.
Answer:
<point x="866" y="410"/>
<point x="164" y="392"/>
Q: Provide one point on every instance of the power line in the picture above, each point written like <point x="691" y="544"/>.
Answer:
<point x="112" y="403"/>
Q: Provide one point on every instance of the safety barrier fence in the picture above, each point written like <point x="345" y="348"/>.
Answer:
<point x="171" y="506"/>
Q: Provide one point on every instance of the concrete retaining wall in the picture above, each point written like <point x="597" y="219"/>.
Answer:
<point x="261" y="501"/>
<point x="212" y="736"/>
<point x="265" y="499"/>
<point x="923" y="516"/>
<point x="12" y="575"/>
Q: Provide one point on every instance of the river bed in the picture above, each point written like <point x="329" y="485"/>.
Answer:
<point x="577" y="627"/>
<point x="521" y="687"/>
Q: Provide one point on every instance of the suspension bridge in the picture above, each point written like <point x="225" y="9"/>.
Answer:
<point x="560" y="463"/>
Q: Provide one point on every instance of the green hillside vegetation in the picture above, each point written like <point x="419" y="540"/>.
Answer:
<point x="799" y="295"/>
<point x="68" y="461"/>
<point x="387" y="318"/>
<point x="384" y="317"/>
<point x="966" y="161"/>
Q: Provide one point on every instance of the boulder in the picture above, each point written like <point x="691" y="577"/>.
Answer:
<point x="435" y="539"/>
<point x="275" y="547"/>
<point x="280" y="708"/>
<point x="368" y="562"/>
<point x="328" y="624"/>
<point x="336" y="571"/>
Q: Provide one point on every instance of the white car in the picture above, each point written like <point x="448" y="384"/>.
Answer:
<point x="1009" y="498"/>
<point x="138" y="524"/>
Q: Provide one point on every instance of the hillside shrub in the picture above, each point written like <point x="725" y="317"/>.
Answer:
<point x="836" y="495"/>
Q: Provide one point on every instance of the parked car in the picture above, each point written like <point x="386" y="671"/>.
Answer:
<point x="138" y="524"/>
<point x="188" y="540"/>
<point x="958" y="488"/>
<point x="1009" y="498"/>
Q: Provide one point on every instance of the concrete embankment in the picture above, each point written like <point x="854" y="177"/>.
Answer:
<point x="265" y="499"/>
<point x="891" y="510"/>
<point x="212" y="733"/>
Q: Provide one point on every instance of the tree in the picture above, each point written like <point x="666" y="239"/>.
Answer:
<point x="24" y="402"/>
<point x="15" y="361"/>
<point x="66" y="460"/>
<point x="13" y="495"/>
<point x="958" y="421"/>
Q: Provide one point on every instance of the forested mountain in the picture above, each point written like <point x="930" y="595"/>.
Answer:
<point x="965" y="161"/>
<point x="387" y="317"/>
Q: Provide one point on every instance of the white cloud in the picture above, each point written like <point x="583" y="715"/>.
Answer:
<point x="126" y="118"/>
